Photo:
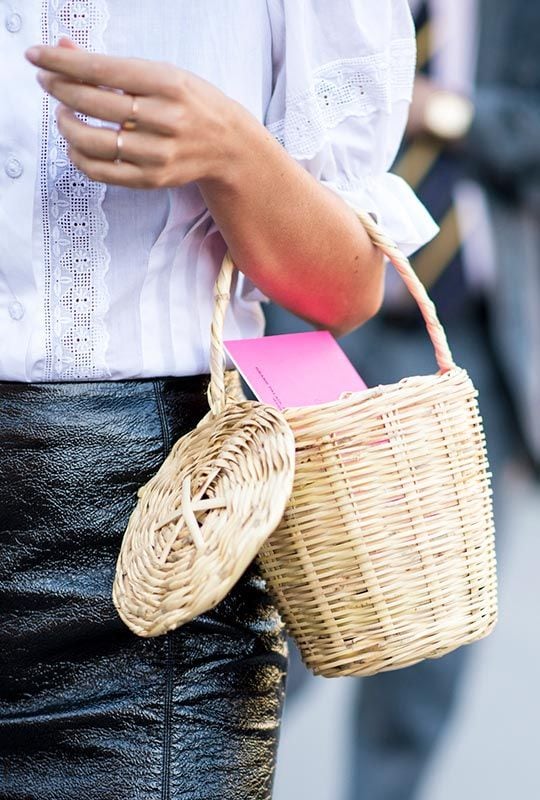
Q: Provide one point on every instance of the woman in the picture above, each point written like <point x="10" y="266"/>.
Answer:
<point x="244" y="124"/>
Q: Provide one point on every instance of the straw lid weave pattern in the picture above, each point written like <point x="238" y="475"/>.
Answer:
<point x="202" y="518"/>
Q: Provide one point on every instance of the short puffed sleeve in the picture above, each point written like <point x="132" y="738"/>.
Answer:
<point x="343" y="74"/>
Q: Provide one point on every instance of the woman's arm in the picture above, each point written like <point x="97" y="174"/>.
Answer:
<point x="296" y="240"/>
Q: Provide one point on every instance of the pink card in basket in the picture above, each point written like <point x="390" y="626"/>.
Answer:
<point x="295" y="369"/>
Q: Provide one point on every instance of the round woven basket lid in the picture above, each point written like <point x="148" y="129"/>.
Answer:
<point x="202" y="518"/>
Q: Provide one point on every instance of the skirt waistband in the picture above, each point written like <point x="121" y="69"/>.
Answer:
<point x="71" y="418"/>
<point x="189" y="383"/>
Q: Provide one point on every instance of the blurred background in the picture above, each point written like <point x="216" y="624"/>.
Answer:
<point x="464" y="726"/>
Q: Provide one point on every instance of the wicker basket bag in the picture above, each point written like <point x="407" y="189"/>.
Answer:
<point x="386" y="554"/>
<point x="382" y="556"/>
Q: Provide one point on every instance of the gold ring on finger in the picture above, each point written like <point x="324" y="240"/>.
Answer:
<point x="131" y="122"/>
<point x="119" y="146"/>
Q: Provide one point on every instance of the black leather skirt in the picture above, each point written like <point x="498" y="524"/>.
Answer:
<point x="89" y="711"/>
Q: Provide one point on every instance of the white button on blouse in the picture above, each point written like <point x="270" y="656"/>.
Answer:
<point x="13" y="167"/>
<point x="13" y="22"/>
<point x="102" y="282"/>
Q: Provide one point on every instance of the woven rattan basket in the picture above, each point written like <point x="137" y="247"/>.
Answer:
<point x="385" y="554"/>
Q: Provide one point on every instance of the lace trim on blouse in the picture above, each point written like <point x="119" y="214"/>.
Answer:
<point x="344" y="88"/>
<point x="76" y="259"/>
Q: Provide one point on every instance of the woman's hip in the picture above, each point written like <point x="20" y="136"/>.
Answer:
<point x="73" y="457"/>
<point x="80" y="695"/>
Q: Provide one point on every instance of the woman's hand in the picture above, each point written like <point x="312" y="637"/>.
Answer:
<point x="186" y="128"/>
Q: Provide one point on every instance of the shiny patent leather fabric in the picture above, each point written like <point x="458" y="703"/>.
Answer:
<point x="89" y="711"/>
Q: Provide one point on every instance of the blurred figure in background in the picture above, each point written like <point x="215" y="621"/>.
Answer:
<point x="472" y="153"/>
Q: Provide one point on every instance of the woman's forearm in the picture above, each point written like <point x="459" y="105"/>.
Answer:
<point x="294" y="238"/>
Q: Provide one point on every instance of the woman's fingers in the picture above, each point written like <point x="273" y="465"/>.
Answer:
<point x="178" y="127"/>
<point x="97" y="103"/>
<point x="137" y="147"/>
<point x="119" y="174"/>
<point x="132" y="75"/>
<point x="152" y="114"/>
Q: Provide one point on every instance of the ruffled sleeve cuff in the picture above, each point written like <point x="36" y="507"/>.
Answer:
<point x="394" y="206"/>
<point x="342" y="88"/>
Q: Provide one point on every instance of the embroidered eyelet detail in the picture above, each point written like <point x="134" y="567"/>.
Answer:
<point x="343" y="88"/>
<point x="76" y="258"/>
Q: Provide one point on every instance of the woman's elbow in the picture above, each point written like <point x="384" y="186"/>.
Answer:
<point x="362" y="309"/>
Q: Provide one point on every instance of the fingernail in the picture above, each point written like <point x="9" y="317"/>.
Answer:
<point x="32" y="54"/>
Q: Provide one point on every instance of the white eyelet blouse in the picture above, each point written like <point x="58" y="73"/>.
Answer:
<point x="101" y="282"/>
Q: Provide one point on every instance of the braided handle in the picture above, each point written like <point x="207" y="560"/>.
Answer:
<point x="435" y="330"/>
<point x="217" y="395"/>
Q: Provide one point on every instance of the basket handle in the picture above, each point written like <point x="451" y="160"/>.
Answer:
<point x="402" y="265"/>
<point x="217" y="395"/>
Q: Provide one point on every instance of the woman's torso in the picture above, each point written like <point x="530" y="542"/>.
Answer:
<point x="104" y="282"/>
